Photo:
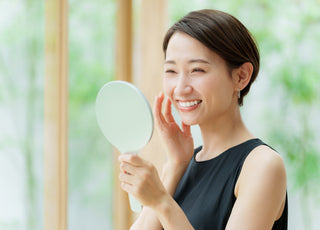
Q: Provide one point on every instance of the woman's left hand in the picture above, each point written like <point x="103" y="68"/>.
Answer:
<point x="141" y="179"/>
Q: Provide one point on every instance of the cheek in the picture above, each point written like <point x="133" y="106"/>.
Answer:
<point x="217" y="89"/>
<point x="226" y="93"/>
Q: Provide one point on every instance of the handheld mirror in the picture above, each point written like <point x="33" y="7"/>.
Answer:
<point x="125" y="119"/>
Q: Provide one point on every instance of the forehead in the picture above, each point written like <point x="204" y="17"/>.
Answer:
<point x="183" y="46"/>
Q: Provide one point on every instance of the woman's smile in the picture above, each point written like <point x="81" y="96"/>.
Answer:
<point x="188" y="105"/>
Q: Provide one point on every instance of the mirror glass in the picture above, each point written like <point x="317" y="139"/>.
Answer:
<point x="124" y="116"/>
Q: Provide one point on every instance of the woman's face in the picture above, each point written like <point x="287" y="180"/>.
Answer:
<point x="197" y="81"/>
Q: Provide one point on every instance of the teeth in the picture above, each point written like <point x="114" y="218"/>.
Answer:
<point x="189" y="103"/>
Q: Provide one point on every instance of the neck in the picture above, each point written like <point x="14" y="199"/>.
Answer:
<point x="222" y="133"/>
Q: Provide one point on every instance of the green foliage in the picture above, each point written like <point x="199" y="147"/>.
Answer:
<point x="300" y="83"/>
<point x="301" y="154"/>
<point x="297" y="78"/>
<point x="10" y="225"/>
<point x="21" y="91"/>
<point x="91" y="61"/>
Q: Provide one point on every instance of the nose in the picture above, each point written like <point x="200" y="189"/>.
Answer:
<point x="183" y="86"/>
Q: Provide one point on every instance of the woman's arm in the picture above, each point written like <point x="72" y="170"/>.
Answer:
<point x="171" y="215"/>
<point x="140" y="179"/>
<point x="170" y="178"/>
<point x="260" y="191"/>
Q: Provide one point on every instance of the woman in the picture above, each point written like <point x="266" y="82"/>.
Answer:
<point x="234" y="181"/>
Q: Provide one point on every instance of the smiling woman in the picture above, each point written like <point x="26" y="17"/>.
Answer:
<point x="233" y="181"/>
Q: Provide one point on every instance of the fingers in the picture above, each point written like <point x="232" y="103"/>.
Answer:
<point x="186" y="129"/>
<point x="127" y="187"/>
<point x="127" y="168"/>
<point x="157" y="110"/>
<point x="134" y="160"/>
<point x="168" y="111"/>
<point x="127" y="183"/>
<point x="163" y="119"/>
<point x="127" y="178"/>
<point x="136" y="173"/>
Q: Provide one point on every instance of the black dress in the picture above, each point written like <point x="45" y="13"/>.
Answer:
<point x="206" y="191"/>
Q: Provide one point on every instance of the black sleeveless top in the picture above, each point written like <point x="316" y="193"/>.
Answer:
<point x="206" y="191"/>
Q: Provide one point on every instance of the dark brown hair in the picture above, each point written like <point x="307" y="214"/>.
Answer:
<point x="223" y="34"/>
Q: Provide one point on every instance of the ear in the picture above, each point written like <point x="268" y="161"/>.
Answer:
<point x="242" y="75"/>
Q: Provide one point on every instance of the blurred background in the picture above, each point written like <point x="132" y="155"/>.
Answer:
<point x="283" y="107"/>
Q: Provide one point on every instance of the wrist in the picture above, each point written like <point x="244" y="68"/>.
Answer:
<point x="162" y="208"/>
<point x="171" y="216"/>
<point x="171" y="176"/>
<point x="175" y="167"/>
<point x="172" y="171"/>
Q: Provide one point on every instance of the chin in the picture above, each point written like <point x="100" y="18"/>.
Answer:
<point x="189" y="122"/>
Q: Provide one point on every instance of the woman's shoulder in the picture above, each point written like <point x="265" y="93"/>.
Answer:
<point x="264" y="157"/>
<point x="262" y="183"/>
<point x="263" y="167"/>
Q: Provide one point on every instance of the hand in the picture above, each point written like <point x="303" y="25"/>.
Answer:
<point x="178" y="142"/>
<point x="140" y="178"/>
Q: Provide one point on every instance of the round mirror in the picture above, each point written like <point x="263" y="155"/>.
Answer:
<point x="124" y="116"/>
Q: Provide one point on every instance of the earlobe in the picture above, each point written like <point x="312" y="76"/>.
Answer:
<point x="242" y="75"/>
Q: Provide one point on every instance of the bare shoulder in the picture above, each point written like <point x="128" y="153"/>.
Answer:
<point x="265" y="167"/>
<point x="264" y="156"/>
<point x="260" y="191"/>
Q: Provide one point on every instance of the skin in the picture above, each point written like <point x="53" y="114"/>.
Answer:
<point x="201" y="75"/>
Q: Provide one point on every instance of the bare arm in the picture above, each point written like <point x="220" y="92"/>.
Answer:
<point x="140" y="179"/>
<point x="167" y="215"/>
<point x="260" y="191"/>
<point x="170" y="178"/>
<point x="171" y="215"/>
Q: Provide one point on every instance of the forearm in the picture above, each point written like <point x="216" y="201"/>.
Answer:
<point x="170" y="178"/>
<point x="147" y="220"/>
<point x="166" y="215"/>
<point x="171" y="216"/>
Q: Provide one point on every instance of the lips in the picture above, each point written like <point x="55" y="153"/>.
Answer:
<point x="188" y="105"/>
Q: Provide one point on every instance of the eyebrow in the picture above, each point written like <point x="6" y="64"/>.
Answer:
<point x="191" y="61"/>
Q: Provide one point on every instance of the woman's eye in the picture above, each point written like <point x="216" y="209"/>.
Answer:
<point x="197" y="70"/>
<point x="169" y="71"/>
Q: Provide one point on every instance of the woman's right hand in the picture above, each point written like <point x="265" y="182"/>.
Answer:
<point x="178" y="142"/>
